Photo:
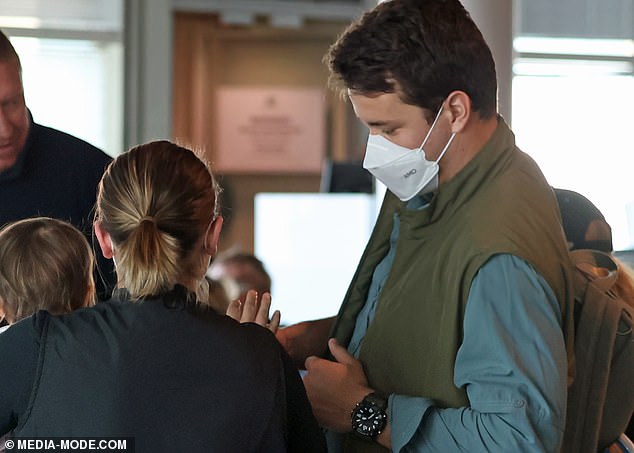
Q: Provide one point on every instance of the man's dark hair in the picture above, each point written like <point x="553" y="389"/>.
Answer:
<point x="423" y="49"/>
<point x="254" y="262"/>
<point x="7" y="51"/>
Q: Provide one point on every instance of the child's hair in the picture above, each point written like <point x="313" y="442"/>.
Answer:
<point x="45" y="264"/>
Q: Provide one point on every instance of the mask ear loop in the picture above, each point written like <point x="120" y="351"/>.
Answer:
<point x="431" y="128"/>
<point x="442" y="153"/>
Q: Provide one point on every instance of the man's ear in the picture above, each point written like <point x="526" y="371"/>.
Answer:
<point x="212" y="236"/>
<point x="105" y="242"/>
<point x="459" y="106"/>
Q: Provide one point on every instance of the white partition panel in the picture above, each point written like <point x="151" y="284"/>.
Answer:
<point x="311" y="244"/>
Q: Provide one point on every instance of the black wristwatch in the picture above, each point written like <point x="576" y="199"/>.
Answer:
<point x="369" y="417"/>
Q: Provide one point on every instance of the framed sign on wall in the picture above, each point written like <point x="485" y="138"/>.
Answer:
<point x="269" y="130"/>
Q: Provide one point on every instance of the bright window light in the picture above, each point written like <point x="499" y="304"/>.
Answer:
<point x="75" y="86"/>
<point x="311" y="245"/>
<point x="560" y="67"/>
<point x="573" y="46"/>
<point x="577" y="127"/>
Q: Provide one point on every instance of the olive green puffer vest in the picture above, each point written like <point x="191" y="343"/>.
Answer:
<point x="498" y="203"/>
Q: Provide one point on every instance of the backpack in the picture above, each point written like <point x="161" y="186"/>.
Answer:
<point x="601" y="397"/>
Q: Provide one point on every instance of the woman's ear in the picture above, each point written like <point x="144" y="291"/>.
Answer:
<point x="212" y="236"/>
<point x="459" y="106"/>
<point x="105" y="242"/>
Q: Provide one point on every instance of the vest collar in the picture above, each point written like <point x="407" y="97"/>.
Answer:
<point x="473" y="177"/>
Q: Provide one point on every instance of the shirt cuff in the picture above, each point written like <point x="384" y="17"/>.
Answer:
<point x="405" y="415"/>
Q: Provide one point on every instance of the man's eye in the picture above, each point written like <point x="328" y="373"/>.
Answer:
<point x="389" y="131"/>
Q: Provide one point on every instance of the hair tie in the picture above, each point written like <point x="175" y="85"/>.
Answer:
<point x="148" y="219"/>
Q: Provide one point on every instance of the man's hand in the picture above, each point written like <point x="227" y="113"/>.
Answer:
<point x="335" y="388"/>
<point x="253" y="311"/>
<point x="305" y="339"/>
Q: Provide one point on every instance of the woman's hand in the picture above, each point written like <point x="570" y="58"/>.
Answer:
<point x="255" y="310"/>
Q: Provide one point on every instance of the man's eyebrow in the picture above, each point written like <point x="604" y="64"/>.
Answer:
<point x="377" y="123"/>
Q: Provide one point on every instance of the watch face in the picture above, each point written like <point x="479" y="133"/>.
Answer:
<point x="368" y="420"/>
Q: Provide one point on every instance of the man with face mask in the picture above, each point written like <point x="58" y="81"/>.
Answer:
<point x="455" y="332"/>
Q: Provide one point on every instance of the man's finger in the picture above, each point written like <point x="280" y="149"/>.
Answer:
<point x="340" y="353"/>
<point x="310" y="362"/>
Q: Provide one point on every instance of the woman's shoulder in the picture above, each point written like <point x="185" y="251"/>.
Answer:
<point x="27" y="330"/>
<point x="250" y="335"/>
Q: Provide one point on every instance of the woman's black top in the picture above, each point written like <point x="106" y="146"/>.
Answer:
<point x="165" y="371"/>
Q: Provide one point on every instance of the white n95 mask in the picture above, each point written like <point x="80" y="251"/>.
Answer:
<point x="405" y="172"/>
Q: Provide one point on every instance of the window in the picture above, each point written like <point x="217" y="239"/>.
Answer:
<point x="75" y="86"/>
<point x="572" y="97"/>
<point x="72" y="61"/>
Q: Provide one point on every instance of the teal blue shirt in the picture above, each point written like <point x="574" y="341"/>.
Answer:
<point x="512" y="363"/>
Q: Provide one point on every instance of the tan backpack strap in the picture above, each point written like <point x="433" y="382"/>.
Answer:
<point x="599" y="267"/>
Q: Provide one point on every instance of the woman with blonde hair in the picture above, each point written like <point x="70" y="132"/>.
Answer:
<point x="155" y="364"/>
<point x="45" y="264"/>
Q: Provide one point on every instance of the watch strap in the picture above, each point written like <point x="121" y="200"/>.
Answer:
<point x="370" y="400"/>
<point x="376" y="399"/>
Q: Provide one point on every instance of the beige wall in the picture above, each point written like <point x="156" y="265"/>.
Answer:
<point x="209" y="54"/>
<point x="494" y="18"/>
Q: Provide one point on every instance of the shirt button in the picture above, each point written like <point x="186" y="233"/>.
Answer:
<point x="518" y="403"/>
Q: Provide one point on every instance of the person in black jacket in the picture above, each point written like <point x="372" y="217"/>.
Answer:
<point x="154" y="364"/>
<point x="43" y="171"/>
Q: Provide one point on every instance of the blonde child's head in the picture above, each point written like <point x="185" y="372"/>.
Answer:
<point x="45" y="264"/>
